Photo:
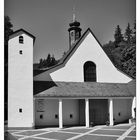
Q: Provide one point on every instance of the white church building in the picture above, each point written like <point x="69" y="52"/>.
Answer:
<point x="84" y="88"/>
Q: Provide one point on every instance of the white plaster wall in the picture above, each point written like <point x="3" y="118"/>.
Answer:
<point x="51" y="107"/>
<point x="20" y="82"/>
<point x="89" y="50"/>
<point x="122" y="106"/>
<point x="70" y="107"/>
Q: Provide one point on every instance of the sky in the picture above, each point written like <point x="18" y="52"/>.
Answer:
<point x="48" y="20"/>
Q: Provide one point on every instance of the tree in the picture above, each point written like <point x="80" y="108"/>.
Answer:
<point x="128" y="34"/>
<point x="129" y="60"/>
<point x="53" y="61"/>
<point x="123" y="55"/>
<point x="7" y="29"/>
<point x="129" y="55"/>
<point x="108" y="48"/>
<point x="7" y="32"/>
<point x="48" y="61"/>
<point x="134" y="30"/>
<point x="41" y="63"/>
<point x="118" y="36"/>
<point x="134" y="34"/>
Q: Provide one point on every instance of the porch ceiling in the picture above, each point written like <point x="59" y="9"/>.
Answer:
<point x="83" y="89"/>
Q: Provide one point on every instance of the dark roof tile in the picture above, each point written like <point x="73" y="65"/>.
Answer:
<point x="84" y="89"/>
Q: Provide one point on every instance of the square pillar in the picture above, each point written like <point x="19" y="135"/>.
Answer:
<point x="87" y="112"/>
<point x="133" y="108"/>
<point x="111" y="112"/>
<point x="60" y="114"/>
<point x="34" y="109"/>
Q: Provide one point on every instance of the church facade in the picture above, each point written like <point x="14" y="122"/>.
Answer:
<point x="84" y="88"/>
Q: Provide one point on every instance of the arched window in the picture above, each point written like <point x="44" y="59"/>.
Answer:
<point x="89" y="72"/>
<point x="21" y="39"/>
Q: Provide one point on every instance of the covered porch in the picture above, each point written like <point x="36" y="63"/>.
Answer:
<point x="81" y="112"/>
<point x="88" y="104"/>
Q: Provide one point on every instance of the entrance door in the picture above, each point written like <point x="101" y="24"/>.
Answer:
<point x="98" y="111"/>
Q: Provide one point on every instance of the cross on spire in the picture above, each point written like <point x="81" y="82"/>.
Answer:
<point x="74" y="29"/>
<point x="74" y="15"/>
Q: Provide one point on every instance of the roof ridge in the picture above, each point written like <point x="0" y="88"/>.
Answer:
<point x="21" y="29"/>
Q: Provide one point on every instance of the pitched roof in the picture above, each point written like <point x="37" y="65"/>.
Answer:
<point x="21" y="30"/>
<point x="83" y="89"/>
<point x="71" y="51"/>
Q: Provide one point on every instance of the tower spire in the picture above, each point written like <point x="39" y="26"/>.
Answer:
<point x="74" y="15"/>
<point x="74" y="29"/>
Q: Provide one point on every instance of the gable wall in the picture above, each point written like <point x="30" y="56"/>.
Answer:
<point x="89" y="50"/>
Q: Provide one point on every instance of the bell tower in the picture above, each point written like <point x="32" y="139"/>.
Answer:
<point x="74" y="31"/>
<point x="20" y="79"/>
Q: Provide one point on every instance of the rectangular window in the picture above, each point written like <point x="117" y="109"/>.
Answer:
<point x="41" y="116"/>
<point x="20" y="110"/>
<point x="20" y="52"/>
<point x="71" y="116"/>
<point x="21" y="39"/>
<point x="56" y="116"/>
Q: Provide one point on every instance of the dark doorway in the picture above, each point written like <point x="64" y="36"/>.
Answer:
<point x="82" y="112"/>
<point x="98" y="111"/>
<point x="89" y="72"/>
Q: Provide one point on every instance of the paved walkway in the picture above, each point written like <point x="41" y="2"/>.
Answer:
<point x="118" y="132"/>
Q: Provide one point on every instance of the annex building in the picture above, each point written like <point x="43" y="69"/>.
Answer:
<point x="84" y="88"/>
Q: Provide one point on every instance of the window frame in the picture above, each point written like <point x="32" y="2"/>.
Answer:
<point x="21" y="39"/>
<point x="89" y="75"/>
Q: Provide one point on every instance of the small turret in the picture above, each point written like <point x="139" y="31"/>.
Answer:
<point x="74" y="31"/>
